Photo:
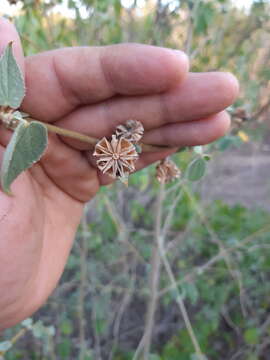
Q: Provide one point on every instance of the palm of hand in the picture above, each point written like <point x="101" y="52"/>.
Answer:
<point x="91" y="90"/>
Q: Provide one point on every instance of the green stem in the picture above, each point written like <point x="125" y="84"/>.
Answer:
<point x="90" y="140"/>
<point x="6" y="117"/>
<point x="67" y="133"/>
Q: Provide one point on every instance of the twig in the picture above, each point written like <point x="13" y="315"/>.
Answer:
<point x="124" y="304"/>
<point x="97" y="337"/>
<point x="261" y="111"/>
<point x="154" y="278"/>
<point x="83" y="282"/>
<point x="91" y="140"/>
<point x="122" y="228"/>
<point x="168" y="219"/>
<point x="6" y="117"/>
<point x="190" y="28"/>
<point x="220" y="256"/>
<point x="180" y="301"/>
<point x="235" y="273"/>
<point x="32" y="43"/>
<point x="15" y="338"/>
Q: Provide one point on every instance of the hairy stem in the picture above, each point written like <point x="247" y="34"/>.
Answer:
<point x="88" y="139"/>
<point x="7" y="119"/>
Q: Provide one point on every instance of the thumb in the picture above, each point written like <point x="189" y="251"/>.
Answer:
<point x="9" y="33"/>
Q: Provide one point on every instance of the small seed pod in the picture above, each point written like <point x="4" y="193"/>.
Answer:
<point x="132" y="131"/>
<point x="167" y="171"/>
<point x="116" y="157"/>
<point x="7" y="117"/>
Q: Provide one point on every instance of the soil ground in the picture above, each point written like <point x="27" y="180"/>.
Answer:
<point x="240" y="176"/>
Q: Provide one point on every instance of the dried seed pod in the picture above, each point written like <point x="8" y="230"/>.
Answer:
<point x="167" y="171"/>
<point x="116" y="157"/>
<point x="7" y="117"/>
<point x="132" y="130"/>
<point x="240" y="113"/>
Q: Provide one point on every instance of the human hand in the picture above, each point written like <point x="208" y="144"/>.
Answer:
<point x="91" y="90"/>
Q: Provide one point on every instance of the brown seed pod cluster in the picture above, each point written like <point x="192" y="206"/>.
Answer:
<point x="132" y="130"/>
<point x="117" y="157"/>
<point x="167" y="171"/>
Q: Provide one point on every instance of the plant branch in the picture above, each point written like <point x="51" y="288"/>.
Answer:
<point x="198" y="270"/>
<point x="234" y="272"/>
<point x="190" y="27"/>
<point x="179" y="300"/>
<point x="83" y="282"/>
<point x="10" y="122"/>
<point x="154" y="279"/>
<point x="14" y="340"/>
<point x="88" y="139"/>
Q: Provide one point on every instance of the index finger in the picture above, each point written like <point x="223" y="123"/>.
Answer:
<point x="59" y="81"/>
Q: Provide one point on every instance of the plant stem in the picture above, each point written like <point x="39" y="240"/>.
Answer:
<point x="6" y="117"/>
<point x="192" y="18"/>
<point x="88" y="139"/>
<point x="67" y="133"/>
<point x="180" y="301"/>
<point x="83" y="281"/>
<point x="154" y="278"/>
<point x="230" y="263"/>
<point x="14" y="340"/>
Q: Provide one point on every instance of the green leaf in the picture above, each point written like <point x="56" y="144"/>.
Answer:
<point x="27" y="323"/>
<point x="26" y="147"/>
<point x="198" y="357"/>
<point x="204" y="17"/>
<point x="227" y="141"/>
<point x="12" y="88"/>
<point x="191" y="292"/>
<point x="207" y="157"/>
<point x="66" y="327"/>
<point x="252" y="336"/>
<point x="64" y="348"/>
<point x="50" y="330"/>
<point x="196" y="169"/>
<point x="5" y="346"/>
<point x="198" y="150"/>
<point x="182" y="149"/>
<point x="252" y="357"/>
<point x="38" y="330"/>
<point x="154" y="357"/>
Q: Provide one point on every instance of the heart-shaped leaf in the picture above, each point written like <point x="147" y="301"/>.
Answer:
<point x="12" y="89"/>
<point x="28" y="143"/>
<point x="196" y="169"/>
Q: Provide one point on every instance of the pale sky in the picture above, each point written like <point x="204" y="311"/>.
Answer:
<point x="9" y="9"/>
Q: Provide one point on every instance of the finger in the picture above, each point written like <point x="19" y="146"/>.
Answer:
<point x="193" y="133"/>
<point x="61" y="80"/>
<point x="200" y="96"/>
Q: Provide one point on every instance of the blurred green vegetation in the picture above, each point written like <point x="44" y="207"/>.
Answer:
<point x="218" y="253"/>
